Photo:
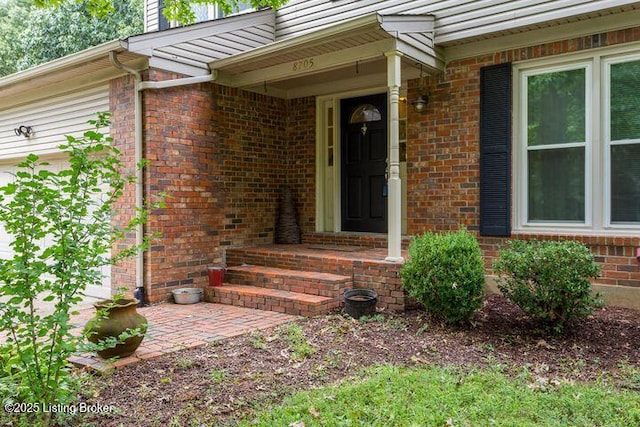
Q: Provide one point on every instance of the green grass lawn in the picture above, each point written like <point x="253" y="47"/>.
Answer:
<point x="391" y="396"/>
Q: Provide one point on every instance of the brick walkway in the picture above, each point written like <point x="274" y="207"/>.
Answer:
<point x="174" y="327"/>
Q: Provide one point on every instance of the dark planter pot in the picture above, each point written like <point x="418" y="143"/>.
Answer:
<point x="120" y="317"/>
<point x="360" y="302"/>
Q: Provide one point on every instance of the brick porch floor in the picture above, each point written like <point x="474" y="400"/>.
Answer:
<point x="174" y="327"/>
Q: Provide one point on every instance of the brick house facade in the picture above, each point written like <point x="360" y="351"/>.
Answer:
<point x="244" y="125"/>
<point x="443" y="177"/>
<point x="223" y="155"/>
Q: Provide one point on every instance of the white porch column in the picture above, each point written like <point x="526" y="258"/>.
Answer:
<point x="394" y="185"/>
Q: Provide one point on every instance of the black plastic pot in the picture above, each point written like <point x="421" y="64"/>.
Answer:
<point x="360" y="302"/>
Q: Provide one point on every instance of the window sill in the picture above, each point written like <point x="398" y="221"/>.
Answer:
<point x="606" y="237"/>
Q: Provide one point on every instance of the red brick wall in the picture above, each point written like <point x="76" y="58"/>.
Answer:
<point x="443" y="153"/>
<point x="616" y="255"/>
<point x="180" y="143"/>
<point x="122" y="98"/>
<point x="222" y="155"/>
<point x="301" y="159"/>
<point x="253" y="152"/>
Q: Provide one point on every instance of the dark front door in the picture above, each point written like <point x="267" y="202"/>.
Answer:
<point x="364" y="163"/>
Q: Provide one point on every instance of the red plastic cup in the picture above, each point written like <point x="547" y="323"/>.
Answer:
<point x="216" y="276"/>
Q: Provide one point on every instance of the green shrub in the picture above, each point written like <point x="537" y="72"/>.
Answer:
<point x="548" y="280"/>
<point x="63" y="207"/>
<point x="445" y="273"/>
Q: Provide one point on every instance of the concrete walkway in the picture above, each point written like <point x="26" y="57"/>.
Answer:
<point x="174" y="327"/>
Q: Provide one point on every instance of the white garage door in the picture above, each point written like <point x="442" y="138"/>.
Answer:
<point x="6" y="176"/>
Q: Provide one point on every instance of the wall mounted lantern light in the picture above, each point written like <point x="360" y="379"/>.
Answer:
<point x="25" y="131"/>
<point x="420" y="104"/>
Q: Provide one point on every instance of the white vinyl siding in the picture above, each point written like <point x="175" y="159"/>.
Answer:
<point x="198" y="53"/>
<point x="50" y="120"/>
<point x="456" y="20"/>
<point x="151" y="16"/>
<point x="188" y="50"/>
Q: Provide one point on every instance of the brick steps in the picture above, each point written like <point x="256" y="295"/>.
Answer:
<point x="306" y="282"/>
<point x="322" y="270"/>
<point x="282" y="256"/>
<point x="278" y="300"/>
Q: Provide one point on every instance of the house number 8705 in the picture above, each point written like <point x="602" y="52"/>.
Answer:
<point x="303" y="64"/>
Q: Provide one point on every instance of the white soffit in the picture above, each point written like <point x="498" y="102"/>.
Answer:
<point x="295" y="60"/>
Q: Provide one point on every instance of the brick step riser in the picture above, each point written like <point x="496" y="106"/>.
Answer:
<point x="375" y="274"/>
<point x="331" y="289"/>
<point x="291" y="262"/>
<point x="270" y="303"/>
<point x="347" y="239"/>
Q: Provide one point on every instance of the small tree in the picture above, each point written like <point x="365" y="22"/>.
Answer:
<point x="73" y="210"/>
<point x="549" y="280"/>
<point x="445" y="272"/>
<point x="180" y="11"/>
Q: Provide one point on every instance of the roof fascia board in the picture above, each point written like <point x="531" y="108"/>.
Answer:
<point x="308" y="39"/>
<point x="144" y="43"/>
<point x="321" y="63"/>
<point x="457" y="33"/>
<point x="400" y="24"/>
<point x="540" y="36"/>
<point x="69" y="61"/>
<point x="27" y="96"/>
<point x="407" y="50"/>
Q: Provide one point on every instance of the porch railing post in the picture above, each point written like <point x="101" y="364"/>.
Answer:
<point x="394" y="184"/>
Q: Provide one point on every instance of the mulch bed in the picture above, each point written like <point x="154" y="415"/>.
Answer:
<point x="225" y="381"/>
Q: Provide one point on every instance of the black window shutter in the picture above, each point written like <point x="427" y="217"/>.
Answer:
<point x="163" y="24"/>
<point x="495" y="150"/>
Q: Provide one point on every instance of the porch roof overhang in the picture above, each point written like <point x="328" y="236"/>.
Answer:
<point x="187" y="50"/>
<point x="346" y="56"/>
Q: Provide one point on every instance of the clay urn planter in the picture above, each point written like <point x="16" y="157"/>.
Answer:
<point x="114" y="317"/>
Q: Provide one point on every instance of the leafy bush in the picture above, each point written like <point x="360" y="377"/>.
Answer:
<point x="549" y="280"/>
<point x="64" y="208"/>
<point x="445" y="273"/>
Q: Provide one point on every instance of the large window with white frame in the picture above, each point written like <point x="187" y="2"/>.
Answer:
<point x="577" y="158"/>
<point x="622" y="137"/>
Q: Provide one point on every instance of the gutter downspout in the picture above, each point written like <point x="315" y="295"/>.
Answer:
<point x="139" y="173"/>
<point x="139" y="199"/>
